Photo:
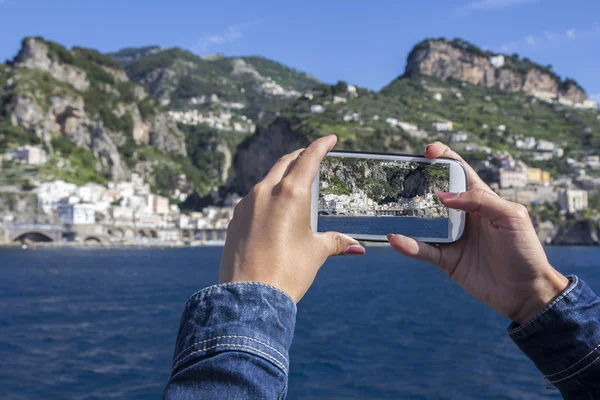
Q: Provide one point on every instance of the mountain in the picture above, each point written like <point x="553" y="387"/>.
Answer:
<point x="193" y="124"/>
<point x="88" y="111"/>
<point x="458" y="59"/>
<point x="253" y="86"/>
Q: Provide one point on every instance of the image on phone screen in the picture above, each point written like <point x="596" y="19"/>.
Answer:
<point x="377" y="197"/>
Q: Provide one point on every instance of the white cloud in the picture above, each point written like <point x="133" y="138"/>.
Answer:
<point x="231" y="34"/>
<point x="488" y="5"/>
<point x="548" y="38"/>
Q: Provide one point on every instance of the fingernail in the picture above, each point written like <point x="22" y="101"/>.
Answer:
<point x="428" y="146"/>
<point x="447" y="195"/>
<point x="355" y="250"/>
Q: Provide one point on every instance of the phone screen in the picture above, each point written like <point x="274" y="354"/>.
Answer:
<point x="375" y="197"/>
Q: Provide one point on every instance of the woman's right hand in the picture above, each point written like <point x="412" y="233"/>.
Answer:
<point x="499" y="260"/>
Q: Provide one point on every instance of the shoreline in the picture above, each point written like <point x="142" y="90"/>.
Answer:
<point x="379" y="216"/>
<point x="37" y="246"/>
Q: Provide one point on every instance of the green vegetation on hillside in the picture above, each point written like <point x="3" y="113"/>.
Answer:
<point x="81" y="166"/>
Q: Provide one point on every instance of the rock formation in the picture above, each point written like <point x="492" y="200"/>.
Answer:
<point x="462" y="61"/>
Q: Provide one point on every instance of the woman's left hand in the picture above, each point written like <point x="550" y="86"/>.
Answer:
<point x="270" y="239"/>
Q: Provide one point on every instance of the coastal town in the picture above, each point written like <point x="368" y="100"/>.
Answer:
<point x="123" y="213"/>
<point x="128" y="213"/>
<point x="359" y="205"/>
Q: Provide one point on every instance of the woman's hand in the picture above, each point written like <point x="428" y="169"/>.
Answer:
<point x="270" y="239"/>
<point x="499" y="259"/>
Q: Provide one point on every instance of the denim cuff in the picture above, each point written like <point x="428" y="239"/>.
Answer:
<point x="249" y="317"/>
<point x="563" y="340"/>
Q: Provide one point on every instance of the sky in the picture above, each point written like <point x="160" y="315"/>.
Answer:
<point x="362" y="42"/>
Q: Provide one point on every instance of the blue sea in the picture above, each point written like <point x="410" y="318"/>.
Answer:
<point x="101" y="324"/>
<point x="412" y="226"/>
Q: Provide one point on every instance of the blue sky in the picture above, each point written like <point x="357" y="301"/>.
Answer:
<point x="362" y="42"/>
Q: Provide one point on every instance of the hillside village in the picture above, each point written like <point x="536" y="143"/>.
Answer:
<point x="533" y="143"/>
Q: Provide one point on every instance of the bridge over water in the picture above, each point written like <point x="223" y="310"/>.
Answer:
<point x="104" y="234"/>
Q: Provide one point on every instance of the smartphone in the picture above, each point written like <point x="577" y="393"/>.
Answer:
<point x="369" y="195"/>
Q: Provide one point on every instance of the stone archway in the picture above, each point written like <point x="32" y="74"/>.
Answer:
<point x="33" y="236"/>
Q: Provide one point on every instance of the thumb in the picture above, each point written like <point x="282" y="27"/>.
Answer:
<point x="339" y="244"/>
<point x="485" y="203"/>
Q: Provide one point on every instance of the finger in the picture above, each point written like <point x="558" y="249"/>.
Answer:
<point x="281" y="167"/>
<point x="306" y="165"/>
<point x="487" y="204"/>
<point x="338" y="244"/>
<point x="414" y="249"/>
<point x="438" y="149"/>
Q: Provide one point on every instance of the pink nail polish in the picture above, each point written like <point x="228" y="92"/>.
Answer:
<point x="355" y="250"/>
<point x="447" y="195"/>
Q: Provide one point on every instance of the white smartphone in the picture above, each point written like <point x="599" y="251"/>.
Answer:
<point x="369" y="195"/>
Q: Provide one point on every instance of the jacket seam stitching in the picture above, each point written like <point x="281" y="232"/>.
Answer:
<point x="241" y="346"/>
<point x="229" y="284"/>
<point x="548" y="307"/>
<point x="568" y="368"/>
<point x="229" y="337"/>
<point x="576" y="373"/>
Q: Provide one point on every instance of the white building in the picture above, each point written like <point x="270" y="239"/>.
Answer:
<point x="317" y="109"/>
<point x="558" y="152"/>
<point x="513" y="178"/>
<point x="71" y="212"/>
<point x="90" y="192"/>
<point x="122" y="215"/>
<point x="161" y="205"/>
<point x="437" y="96"/>
<point x="459" y="137"/>
<point x="49" y="193"/>
<point x="573" y="200"/>
<point x="590" y="104"/>
<point x="545" y="145"/>
<point x="392" y="121"/>
<point x="407" y="127"/>
<point x="497" y="61"/>
<point x="339" y="99"/>
<point x="592" y="161"/>
<point x="526" y="143"/>
<point x="351" y="89"/>
<point x="443" y="126"/>
<point x="31" y="155"/>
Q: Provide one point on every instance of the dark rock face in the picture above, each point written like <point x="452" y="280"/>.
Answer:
<point x="257" y="154"/>
<point x="582" y="232"/>
<point x="416" y="184"/>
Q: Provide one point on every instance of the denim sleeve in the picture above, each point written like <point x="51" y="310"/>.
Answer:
<point x="233" y="343"/>
<point x="563" y="341"/>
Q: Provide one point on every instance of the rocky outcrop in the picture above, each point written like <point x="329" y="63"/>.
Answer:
<point x="416" y="184"/>
<point x="160" y="83"/>
<point x="257" y="154"/>
<point x="35" y="54"/>
<point x="465" y="62"/>
<point x="578" y="233"/>
<point x="164" y="136"/>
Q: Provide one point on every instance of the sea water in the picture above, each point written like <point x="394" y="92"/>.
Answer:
<point x="99" y="324"/>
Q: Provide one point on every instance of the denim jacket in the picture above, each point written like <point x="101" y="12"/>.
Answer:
<point x="234" y="339"/>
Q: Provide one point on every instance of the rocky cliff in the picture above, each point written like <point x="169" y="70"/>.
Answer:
<point x="86" y="98"/>
<point x="257" y="154"/>
<point x="463" y="61"/>
<point x="578" y="233"/>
